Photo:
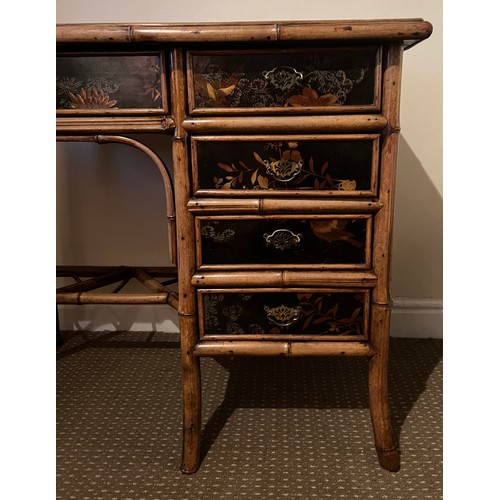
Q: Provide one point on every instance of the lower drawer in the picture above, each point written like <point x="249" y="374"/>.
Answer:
<point x="341" y="241"/>
<point x="332" y="314"/>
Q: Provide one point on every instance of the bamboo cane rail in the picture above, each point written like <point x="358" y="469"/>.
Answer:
<point x="113" y="124"/>
<point x="284" y="278"/>
<point x="263" y="206"/>
<point x="409" y="32"/>
<point x="284" y="349"/>
<point x="85" y="291"/>
<point x="284" y="124"/>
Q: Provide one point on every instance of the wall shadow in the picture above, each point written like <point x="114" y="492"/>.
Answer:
<point x="417" y="263"/>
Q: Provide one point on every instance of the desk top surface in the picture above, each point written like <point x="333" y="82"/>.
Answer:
<point x="407" y="31"/>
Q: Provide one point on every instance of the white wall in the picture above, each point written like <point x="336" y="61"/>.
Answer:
<point x="109" y="199"/>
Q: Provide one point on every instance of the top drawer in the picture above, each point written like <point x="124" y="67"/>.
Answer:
<point x="98" y="83"/>
<point x="340" y="80"/>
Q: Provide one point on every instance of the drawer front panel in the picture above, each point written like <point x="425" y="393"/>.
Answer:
<point x="114" y="83"/>
<point x="258" y="314"/>
<point x="293" y="81"/>
<point x="340" y="165"/>
<point x="341" y="241"/>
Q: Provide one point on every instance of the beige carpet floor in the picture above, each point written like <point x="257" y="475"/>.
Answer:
<point x="280" y="428"/>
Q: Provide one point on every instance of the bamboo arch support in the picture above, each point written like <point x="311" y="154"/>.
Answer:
<point x="167" y="181"/>
<point x="82" y="292"/>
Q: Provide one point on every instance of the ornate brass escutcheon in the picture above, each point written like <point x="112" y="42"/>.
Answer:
<point x="283" y="315"/>
<point x="282" y="239"/>
<point x="283" y="77"/>
<point x="283" y="170"/>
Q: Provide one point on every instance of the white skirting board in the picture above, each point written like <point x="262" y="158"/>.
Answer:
<point x="411" y="317"/>
<point x="417" y="318"/>
<point x="119" y="318"/>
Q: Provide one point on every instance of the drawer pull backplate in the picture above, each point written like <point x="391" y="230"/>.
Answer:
<point x="282" y="239"/>
<point x="283" y="77"/>
<point x="283" y="170"/>
<point x="283" y="315"/>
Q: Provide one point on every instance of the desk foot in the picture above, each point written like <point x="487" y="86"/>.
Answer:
<point x="187" y="470"/>
<point x="389" y="459"/>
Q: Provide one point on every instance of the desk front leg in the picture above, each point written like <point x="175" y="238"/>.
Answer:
<point x="191" y="392"/>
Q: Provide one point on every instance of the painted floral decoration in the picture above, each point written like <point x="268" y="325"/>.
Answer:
<point x="285" y="163"/>
<point x="91" y="99"/>
<point x="310" y="98"/>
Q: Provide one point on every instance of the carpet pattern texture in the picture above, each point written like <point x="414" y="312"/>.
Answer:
<point x="281" y="428"/>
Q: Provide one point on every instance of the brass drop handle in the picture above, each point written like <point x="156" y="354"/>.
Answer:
<point x="283" y="315"/>
<point x="283" y="77"/>
<point x="283" y="170"/>
<point x="282" y="239"/>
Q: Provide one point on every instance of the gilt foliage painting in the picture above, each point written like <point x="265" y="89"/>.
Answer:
<point x="98" y="82"/>
<point x="333" y="165"/>
<point x="335" y="313"/>
<point x="313" y="79"/>
<point x="337" y="240"/>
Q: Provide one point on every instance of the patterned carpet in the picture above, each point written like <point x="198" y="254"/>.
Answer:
<point x="281" y="428"/>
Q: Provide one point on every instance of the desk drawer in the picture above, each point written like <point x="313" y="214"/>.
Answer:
<point x="308" y="81"/>
<point x="342" y="241"/>
<point x="276" y="314"/>
<point x="110" y="83"/>
<point x="337" y="165"/>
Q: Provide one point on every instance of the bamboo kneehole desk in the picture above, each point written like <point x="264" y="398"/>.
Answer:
<point x="281" y="204"/>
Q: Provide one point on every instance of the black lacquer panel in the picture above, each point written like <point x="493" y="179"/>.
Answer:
<point x="342" y="165"/>
<point x="284" y="313"/>
<point x="283" y="241"/>
<point x="97" y="82"/>
<point x="317" y="79"/>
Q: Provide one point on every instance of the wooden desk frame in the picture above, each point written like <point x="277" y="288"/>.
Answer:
<point x="103" y="126"/>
